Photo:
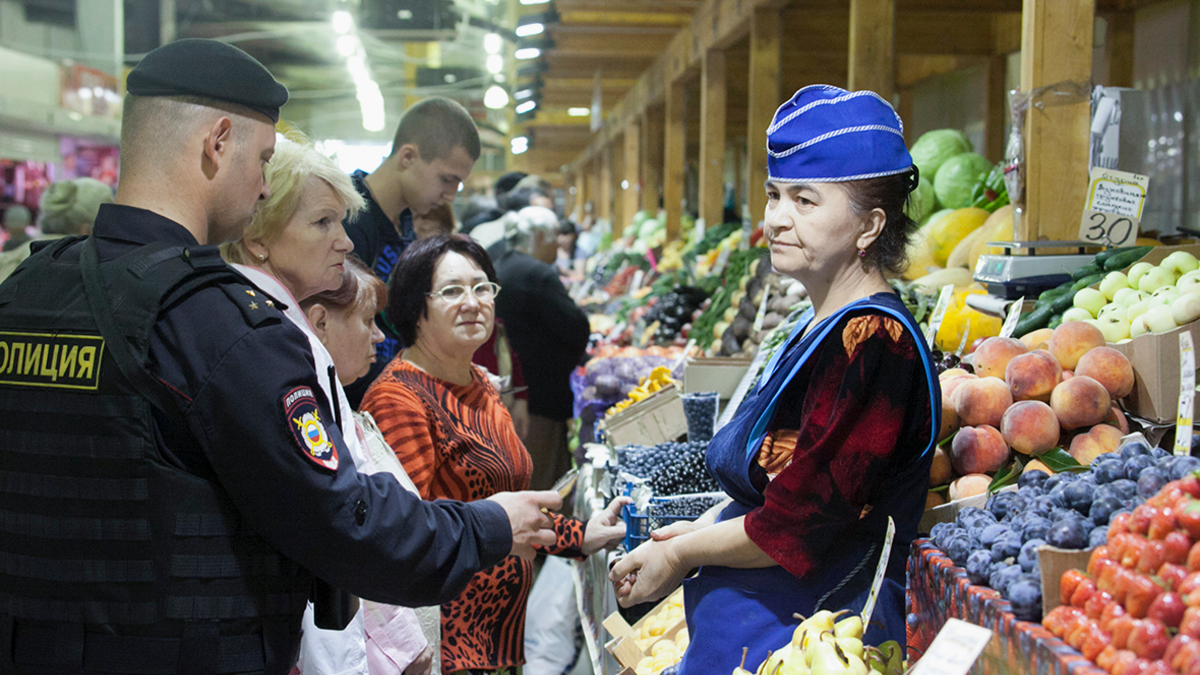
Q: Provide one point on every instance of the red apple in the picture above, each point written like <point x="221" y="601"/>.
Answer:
<point x="1121" y="628"/>
<point x="1176" y="545"/>
<point x="1106" y="658"/>
<point x="1153" y="556"/>
<point x="1098" y="554"/>
<point x="1095" y="641"/>
<point x="1190" y="484"/>
<point x="1139" y="522"/>
<point x="1190" y="624"/>
<point x="1172" y="575"/>
<point x="1119" y="524"/>
<point x="1189" y="518"/>
<point x="1123" y="661"/>
<point x="1193" y="559"/>
<point x="1134" y="546"/>
<point x="1177" y="644"/>
<point x="1149" y="639"/>
<point x="1167" y="608"/>
<point x="1084" y="590"/>
<point x="1070" y="579"/>
<point x="1096" y="604"/>
<point x="1110" y="614"/>
<point x="1142" y="593"/>
<point x="1163" y="522"/>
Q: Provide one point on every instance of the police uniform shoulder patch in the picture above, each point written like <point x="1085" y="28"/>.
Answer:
<point x="303" y="417"/>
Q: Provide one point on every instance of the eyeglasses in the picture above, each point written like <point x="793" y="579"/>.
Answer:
<point x="484" y="291"/>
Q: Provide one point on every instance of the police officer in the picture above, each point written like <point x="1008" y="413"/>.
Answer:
<point x="171" y="481"/>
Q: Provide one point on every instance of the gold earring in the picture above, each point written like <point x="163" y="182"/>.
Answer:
<point x="262" y="258"/>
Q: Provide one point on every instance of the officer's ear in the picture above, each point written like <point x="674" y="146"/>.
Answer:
<point x="217" y="143"/>
<point x="318" y="316"/>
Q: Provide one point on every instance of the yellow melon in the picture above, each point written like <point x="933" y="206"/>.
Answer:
<point x="945" y="234"/>
<point x="999" y="227"/>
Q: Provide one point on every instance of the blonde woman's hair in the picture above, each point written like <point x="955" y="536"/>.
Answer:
<point x="68" y="204"/>
<point x="294" y="162"/>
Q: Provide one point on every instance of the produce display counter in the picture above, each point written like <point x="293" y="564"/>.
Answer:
<point x="937" y="591"/>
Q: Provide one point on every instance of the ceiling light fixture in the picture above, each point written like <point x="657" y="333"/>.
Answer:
<point x="342" y="21"/>
<point x="525" y="107"/>
<point x="495" y="63"/>
<point x="529" y="29"/>
<point x="534" y="2"/>
<point x="493" y="43"/>
<point x="347" y="45"/>
<point x="579" y="112"/>
<point x="527" y="53"/>
<point x="495" y="97"/>
<point x="523" y="94"/>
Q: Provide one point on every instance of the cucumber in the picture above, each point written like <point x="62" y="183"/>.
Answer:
<point x="1062" y="303"/>
<point x="1055" y="292"/>
<point x="1107" y="253"/>
<point x="1087" y="281"/>
<point x="1086" y="271"/>
<point x="1126" y="258"/>
<point x="1034" y="320"/>
<point x="1055" y="321"/>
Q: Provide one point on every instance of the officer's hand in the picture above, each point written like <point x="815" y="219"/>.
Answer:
<point x="531" y="525"/>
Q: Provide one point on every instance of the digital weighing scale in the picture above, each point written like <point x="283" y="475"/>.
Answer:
<point x="1012" y="276"/>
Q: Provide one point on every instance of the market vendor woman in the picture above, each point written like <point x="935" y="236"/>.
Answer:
<point x="839" y="433"/>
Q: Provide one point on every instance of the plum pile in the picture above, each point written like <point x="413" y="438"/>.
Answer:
<point x="686" y="474"/>
<point x="685" y="507"/>
<point x="643" y="461"/>
<point x="673" y="310"/>
<point x="997" y="545"/>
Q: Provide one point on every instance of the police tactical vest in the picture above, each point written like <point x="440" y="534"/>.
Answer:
<point x="112" y="558"/>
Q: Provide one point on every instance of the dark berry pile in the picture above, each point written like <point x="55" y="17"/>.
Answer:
<point x="944" y="361"/>
<point x="701" y="412"/>
<point x="641" y="460"/>
<point x="685" y="507"/>
<point x="686" y="474"/>
<point x="673" y="310"/>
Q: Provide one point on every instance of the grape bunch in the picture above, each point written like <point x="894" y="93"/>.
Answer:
<point x="685" y="507"/>
<point x="687" y="474"/>
<point x="944" y="361"/>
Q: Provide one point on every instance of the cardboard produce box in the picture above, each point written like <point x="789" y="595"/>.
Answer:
<point x="1155" y="361"/>
<point x="624" y="646"/>
<point x="657" y="419"/>
<point x="948" y="512"/>
<point x="1053" y="561"/>
<point x="721" y="375"/>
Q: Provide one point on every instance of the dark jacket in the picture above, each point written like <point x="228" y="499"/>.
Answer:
<point x="547" y="330"/>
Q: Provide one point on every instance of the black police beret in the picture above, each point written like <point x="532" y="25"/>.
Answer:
<point x="210" y="69"/>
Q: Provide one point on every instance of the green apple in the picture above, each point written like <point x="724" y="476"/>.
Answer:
<point x="1137" y="327"/>
<point x="1159" y="320"/>
<point x="1185" y="309"/>
<point x="1113" y="282"/>
<point x="1113" y="328"/>
<point x="1114" y="311"/>
<point x="1118" y="298"/>
<point x="1091" y="300"/>
<point x="1137" y="309"/>
<point x="1164" y="296"/>
<point x="1077" y="314"/>
<point x="1136" y="272"/>
<point x="1155" y="278"/>
<point x="1134" y="297"/>
<point x="1189" y="283"/>
<point x="1180" y="262"/>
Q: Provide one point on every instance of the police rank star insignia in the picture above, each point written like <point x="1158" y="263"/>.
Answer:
<point x="304" y="419"/>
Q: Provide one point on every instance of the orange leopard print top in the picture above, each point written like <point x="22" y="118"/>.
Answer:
<point x="458" y="442"/>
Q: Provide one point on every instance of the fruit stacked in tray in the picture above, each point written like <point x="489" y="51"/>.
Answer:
<point x="1136" y="611"/>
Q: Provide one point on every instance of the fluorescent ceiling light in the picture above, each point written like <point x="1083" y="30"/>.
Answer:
<point x="534" y="2"/>
<point x="523" y="94"/>
<point x="347" y="45"/>
<point x="579" y="112"/>
<point x="493" y="43"/>
<point x="530" y="29"/>
<point x="525" y="107"/>
<point x="527" y="53"/>
<point x="495" y="63"/>
<point x="342" y="21"/>
<point x="495" y="97"/>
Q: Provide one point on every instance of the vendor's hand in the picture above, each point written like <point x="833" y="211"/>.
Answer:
<point x="605" y="529"/>
<point x="674" y="530"/>
<point x="531" y="525"/>
<point x="422" y="665"/>
<point x="649" y="572"/>
<point x="520" y="417"/>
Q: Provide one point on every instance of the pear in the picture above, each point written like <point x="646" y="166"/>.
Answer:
<point x="851" y="626"/>
<point x="794" y="665"/>
<point x="764" y="668"/>
<point x="811" y="639"/>
<point x="856" y="665"/>
<point x="775" y="659"/>
<point x="741" y="670"/>
<point x="851" y="646"/>
<point x="827" y="661"/>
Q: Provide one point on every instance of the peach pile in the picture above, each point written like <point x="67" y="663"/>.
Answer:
<point x="1047" y="390"/>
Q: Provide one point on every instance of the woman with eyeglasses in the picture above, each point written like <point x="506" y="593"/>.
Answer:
<point x="450" y="431"/>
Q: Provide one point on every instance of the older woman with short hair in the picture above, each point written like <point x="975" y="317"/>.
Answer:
<point x="451" y="432"/>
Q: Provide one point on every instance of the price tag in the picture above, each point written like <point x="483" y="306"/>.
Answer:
<point x="939" y="313"/>
<point x="1187" y="395"/>
<point x="954" y="650"/>
<point x="698" y="230"/>
<point x="636" y="282"/>
<point x="880" y="572"/>
<point x="762" y="308"/>
<point x="722" y="261"/>
<point x="1114" y="207"/>
<point x="962" y="344"/>
<point x="1014" y="315"/>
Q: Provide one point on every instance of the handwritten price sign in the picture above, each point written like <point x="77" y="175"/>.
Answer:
<point x="1114" y="207"/>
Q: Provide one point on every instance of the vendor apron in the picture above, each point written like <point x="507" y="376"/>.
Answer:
<point x="728" y="609"/>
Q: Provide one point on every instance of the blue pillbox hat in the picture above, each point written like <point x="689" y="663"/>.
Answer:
<point x="826" y="134"/>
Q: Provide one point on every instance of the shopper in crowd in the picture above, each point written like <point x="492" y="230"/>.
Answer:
<point x="549" y="332"/>
<point x="17" y="221"/>
<point x="398" y="639"/>
<point x="491" y="235"/>
<point x="500" y="189"/>
<point x="438" y="221"/>
<point x="68" y="207"/>
<point x="433" y="152"/>
<point x="839" y="435"/>
<point x="449" y="430"/>
<point x="239" y="490"/>
<point x="568" y="258"/>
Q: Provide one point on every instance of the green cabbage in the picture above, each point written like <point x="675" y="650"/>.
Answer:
<point x="922" y="201"/>
<point x="933" y="148"/>
<point x="955" y="180"/>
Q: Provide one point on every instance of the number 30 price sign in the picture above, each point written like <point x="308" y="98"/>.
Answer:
<point x="1114" y="207"/>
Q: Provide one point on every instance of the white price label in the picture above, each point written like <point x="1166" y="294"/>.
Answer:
<point x="636" y="282"/>
<point x="1014" y="315"/>
<point x="1114" y="207"/>
<point x="1187" y="394"/>
<point x="722" y="261"/>
<point x="962" y="344"/>
<point x="939" y="313"/>
<point x="880" y="572"/>
<point x="954" y="650"/>
<point x="762" y="308"/>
